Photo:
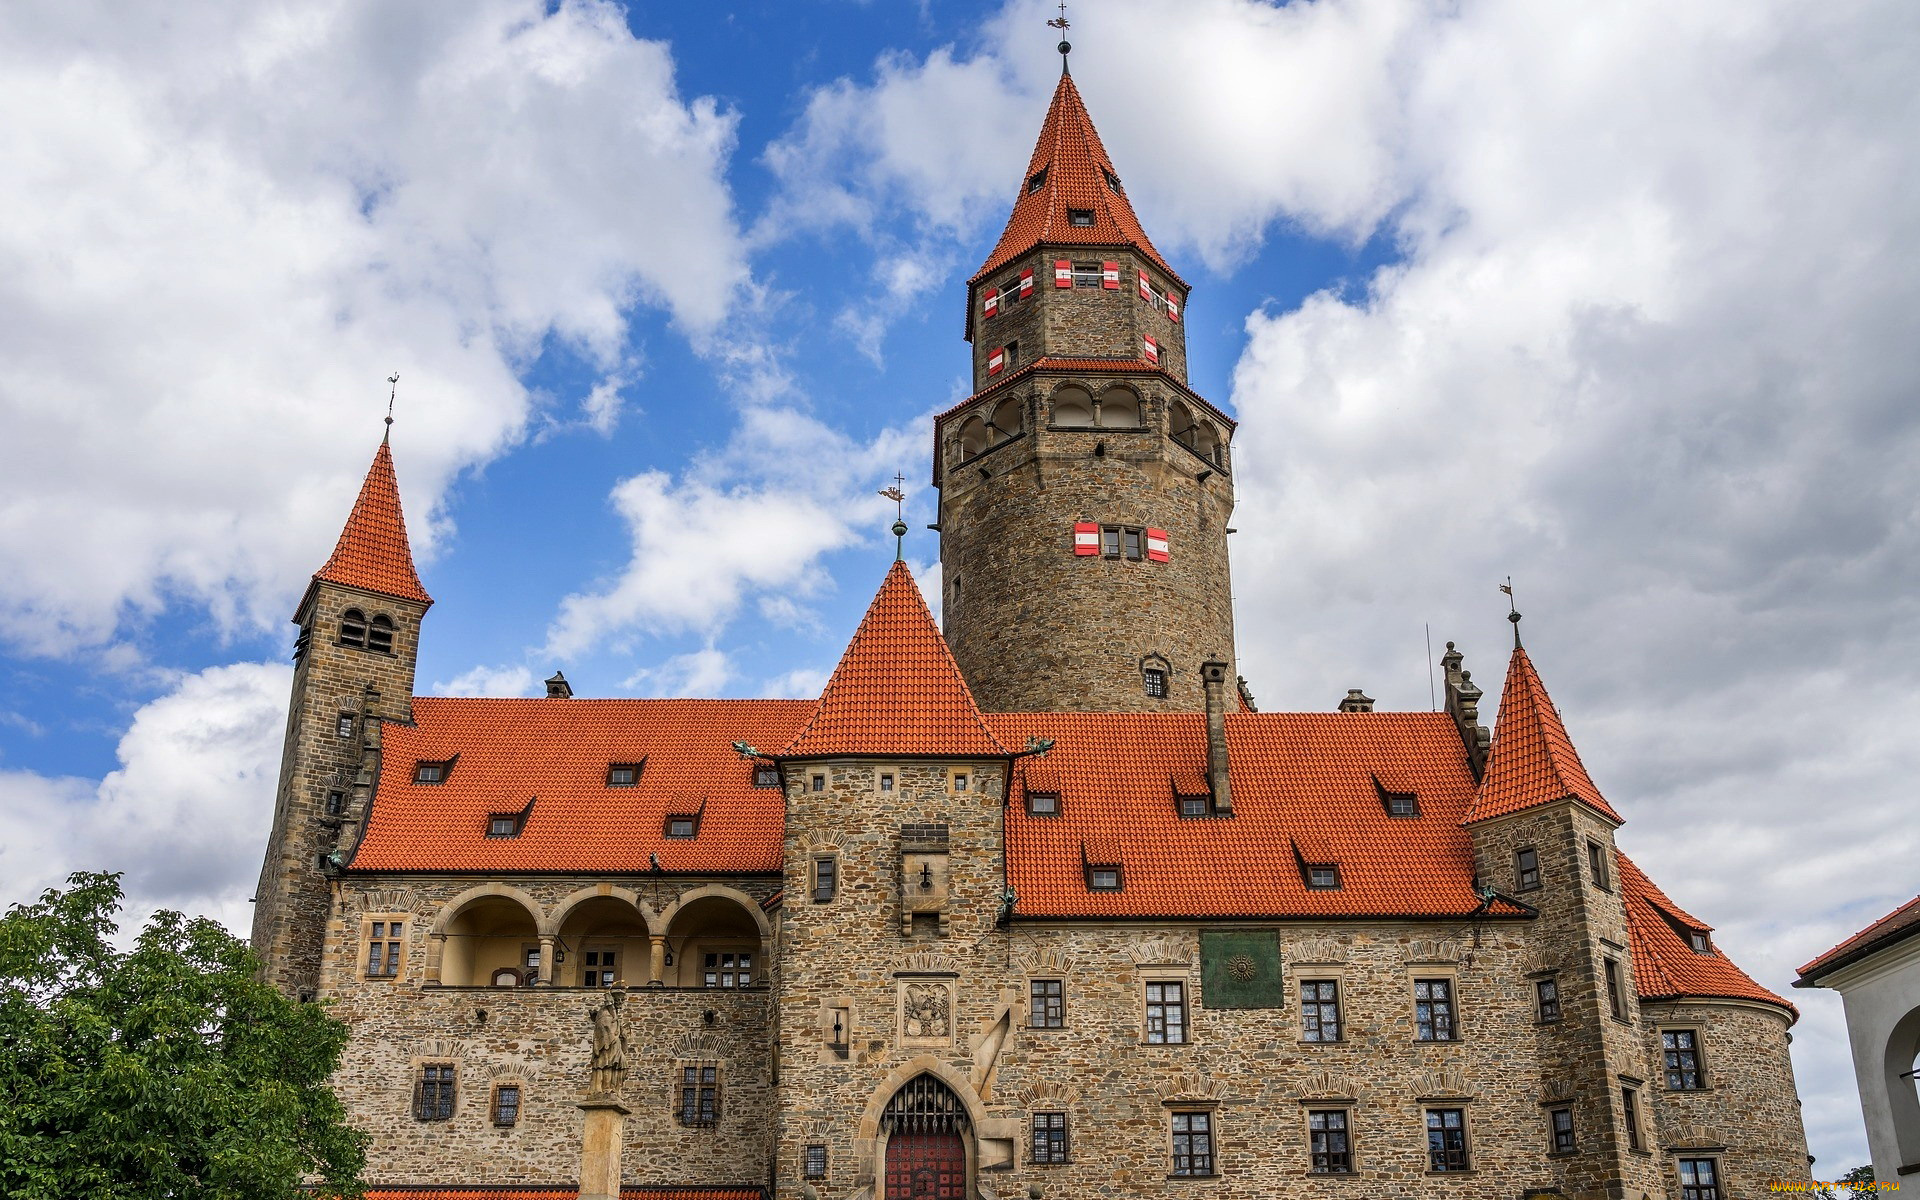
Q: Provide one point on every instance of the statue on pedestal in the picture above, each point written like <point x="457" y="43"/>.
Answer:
<point x="609" y="1062"/>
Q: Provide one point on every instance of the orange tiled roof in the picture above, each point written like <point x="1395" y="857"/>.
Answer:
<point x="1297" y="777"/>
<point x="1901" y="923"/>
<point x="897" y="689"/>
<point x="561" y="1192"/>
<point x="373" y="552"/>
<point x="1665" y="966"/>
<point x="556" y="752"/>
<point x="1070" y="152"/>
<point x="1533" y="761"/>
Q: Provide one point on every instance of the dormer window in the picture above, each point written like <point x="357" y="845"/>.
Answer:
<point x="1080" y="216"/>
<point x="1318" y="862"/>
<point x="766" y="775"/>
<point x="353" y="629"/>
<point x="380" y="635"/>
<point x="426" y="772"/>
<point x="1700" y="942"/>
<point x="1323" y="875"/>
<point x="1036" y="181"/>
<point x="624" y="774"/>
<point x="503" y="825"/>
<point x="1104" y="870"/>
<point x="1103" y="879"/>
<point x="1397" y="803"/>
<point x="1043" y="804"/>
<point x="684" y="825"/>
<point x="1192" y="806"/>
<point x="1113" y="182"/>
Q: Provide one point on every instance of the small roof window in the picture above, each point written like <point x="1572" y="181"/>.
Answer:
<point x="766" y="775"/>
<point x="1398" y="800"/>
<point x="684" y="823"/>
<point x="1113" y="182"/>
<point x="431" y="771"/>
<point x="624" y="774"/>
<point x="509" y="824"/>
<point x="1319" y="863"/>
<point x="1043" y="804"/>
<point x="1036" y="181"/>
<point x="1080" y="216"/>
<point x="1104" y="870"/>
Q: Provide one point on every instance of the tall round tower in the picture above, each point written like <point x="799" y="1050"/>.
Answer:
<point x="1084" y="487"/>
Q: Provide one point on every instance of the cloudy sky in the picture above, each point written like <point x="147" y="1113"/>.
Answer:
<point x="1608" y="298"/>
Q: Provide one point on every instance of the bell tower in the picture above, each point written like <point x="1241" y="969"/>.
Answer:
<point x="1084" y="486"/>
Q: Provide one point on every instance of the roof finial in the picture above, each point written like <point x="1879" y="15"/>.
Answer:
<point x="1062" y="24"/>
<point x="1513" y="612"/>
<point x="393" y="389"/>
<point x="898" y="495"/>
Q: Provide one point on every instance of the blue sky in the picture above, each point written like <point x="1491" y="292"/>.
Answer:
<point x="1611" y="299"/>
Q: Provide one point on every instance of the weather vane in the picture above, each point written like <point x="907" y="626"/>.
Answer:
<point x="898" y="495"/>
<point x="393" y="389"/>
<point x="1513" y="609"/>
<point x="1062" y="24"/>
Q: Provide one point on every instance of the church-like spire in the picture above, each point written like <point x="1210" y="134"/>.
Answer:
<point x="373" y="553"/>
<point x="1071" y="194"/>
<point x="1533" y="761"/>
<point x="896" y="690"/>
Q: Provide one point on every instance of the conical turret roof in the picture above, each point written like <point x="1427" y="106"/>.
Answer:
<point x="373" y="552"/>
<point x="897" y="689"/>
<point x="1070" y="170"/>
<point x="1533" y="762"/>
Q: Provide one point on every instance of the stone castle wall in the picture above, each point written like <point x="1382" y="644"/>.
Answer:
<point x="1079" y="322"/>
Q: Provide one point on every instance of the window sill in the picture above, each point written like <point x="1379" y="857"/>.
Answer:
<point x="1212" y="1178"/>
<point x="1323" y="1042"/>
<point x="1047" y="1028"/>
<point x="1467" y="1174"/>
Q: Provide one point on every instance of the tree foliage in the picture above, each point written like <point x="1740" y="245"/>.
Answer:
<point x="171" y="1070"/>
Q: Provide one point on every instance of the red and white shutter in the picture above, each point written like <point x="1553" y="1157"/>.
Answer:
<point x="1026" y="283"/>
<point x="1173" y="307"/>
<point x="1157" y="545"/>
<point x="990" y="303"/>
<point x="1146" y="288"/>
<point x="1110" y="276"/>
<point x="1150" y="348"/>
<point x="1086" y="538"/>
<point x="1062" y="273"/>
<point x="997" y="360"/>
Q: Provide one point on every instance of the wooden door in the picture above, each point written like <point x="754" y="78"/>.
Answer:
<point x="926" y="1166"/>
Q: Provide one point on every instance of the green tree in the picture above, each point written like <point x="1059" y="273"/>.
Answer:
<point x="1859" y="1175"/>
<point x="167" y="1072"/>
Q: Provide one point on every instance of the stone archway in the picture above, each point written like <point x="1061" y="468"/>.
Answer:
<point x="926" y="1151"/>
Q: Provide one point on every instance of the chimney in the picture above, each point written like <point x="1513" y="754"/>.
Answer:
<point x="1214" y="677"/>
<point x="558" y="688"/>
<point x="1356" y="701"/>
<point x="1463" y="705"/>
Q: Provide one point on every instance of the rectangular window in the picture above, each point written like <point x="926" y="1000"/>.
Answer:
<point x="530" y="958"/>
<point x="1049" y="1138"/>
<point x="729" y="969"/>
<point x="1046" y="1008"/>
<point x="601" y="969"/>
<point x="816" y="1159"/>
<point x="336" y="803"/>
<point x="1597" y="866"/>
<point x="1011" y="351"/>
<point x="1526" y="869"/>
<point x="1447" y="1140"/>
<point x="682" y="827"/>
<point x="1700" y="942"/>
<point x="503" y="825"/>
<point x="817" y="782"/>
<point x="1086" y="274"/>
<point x="1332" y="1153"/>
<point x="1320" y="1010"/>
<point x="623" y="774"/>
<point x="383" y="950"/>
<point x="1036" y="181"/>
<point x="1080" y="216"/>
<point x="344" y="726"/>
<point x="1699" y="1179"/>
<point x="1560" y="1121"/>
<point x="1401" y="804"/>
<point x="886" y="783"/>
<point x="1043" y="804"/>
<point x="430" y="772"/>
<point x="1192" y="806"/>
<point x="1166" y="1013"/>
<point x="433" y="1093"/>
<point x="506" y="1105"/>
<point x="1156" y="679"/>
<point x="1547" y="993"/>
<point x="1682" y="1050"/>
<point x="1325" y="875"/>
<point x="1103" y="879"/>
<point x="1130" y="540"/>
<point x="1110" y="541"/>
<point x="1630" y="1113"/>
<point x="1192" y="1143"/>
<point x="765" y="776"/>
<point x="1433" y="1010"/>
<point x="1616" y="1000"/>
<point x="700" y="1095"/>
<point x="961" y="781"/>
<point x="826" y="879"/>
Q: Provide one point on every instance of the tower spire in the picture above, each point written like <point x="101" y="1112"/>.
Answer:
<point x="1062" y="24"/>
<point x="373" y="553"/>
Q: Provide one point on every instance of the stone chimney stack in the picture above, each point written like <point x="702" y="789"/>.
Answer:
<point x="558" y="688"/>
<point x="1214" y="676"/>
<point x="1356" y="701"/>
<point x="1463" y="705"/>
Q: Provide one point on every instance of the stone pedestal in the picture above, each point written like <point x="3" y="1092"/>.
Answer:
<point x="600" y="1146"/>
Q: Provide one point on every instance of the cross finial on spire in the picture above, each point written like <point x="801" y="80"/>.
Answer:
<point x="897" y="494"/>
<point x="393" y="389"/>
<point x="1513" y="611"/>
<point x="1062" y="24"/>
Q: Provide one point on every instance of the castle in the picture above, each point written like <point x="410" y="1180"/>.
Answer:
<point x="1039" y="907"/>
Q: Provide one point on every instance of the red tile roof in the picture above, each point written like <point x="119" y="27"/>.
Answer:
<point x="556" y="752"/>
<point x="373" y="552"/>
<point x="897" y="689"/>
<point x="1533" y="760"/>
<point x="561" y="1192"/>
<point x="1665" y="965"/>
<point x="1069" y="151"/>
<point x="1901" y="923"/>
<point x="1303" y="778"/>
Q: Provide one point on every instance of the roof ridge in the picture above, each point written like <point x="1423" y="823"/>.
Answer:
<point x="373" y="552"/>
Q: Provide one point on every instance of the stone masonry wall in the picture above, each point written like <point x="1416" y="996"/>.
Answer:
<point x="1079" y="322"/>
<point x="1747" y="1117"/>
<point x="291" y="904"/>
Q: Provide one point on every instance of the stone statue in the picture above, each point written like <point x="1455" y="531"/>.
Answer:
<point x="609" y="1063"/>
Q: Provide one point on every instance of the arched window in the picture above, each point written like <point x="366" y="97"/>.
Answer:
<point x="506" y="977"/>
<point x="1006" y="420"/>
<point x="1206" y="443"/>
<point x="1072" y="406"/>
<point x="1120" y="409"/>
<point x="380" y="634"/>
<point x="973" y="436"/>
<point x="1180" y="423"/>
<point x="353" y="628"/>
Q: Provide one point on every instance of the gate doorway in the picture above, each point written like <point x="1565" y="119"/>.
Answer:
<point x="926" y="1155"/>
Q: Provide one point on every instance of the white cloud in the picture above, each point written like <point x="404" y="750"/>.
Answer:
<point x="223" y="226"/>
<point x="491" y="681"/>
<point x="704" y="672"/>
<point x="801" y="683"/>
<point x="186" y="814"/>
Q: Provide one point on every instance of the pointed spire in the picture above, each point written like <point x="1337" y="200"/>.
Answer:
<point x="1070" y="173"/>
<point x="1533" y="761"/>
<point x="373" y="552"/>
<point x="897" y="689"/>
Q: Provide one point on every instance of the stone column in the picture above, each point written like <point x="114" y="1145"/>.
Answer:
<point x="657" y="963"/>
<point x="600" y="1146"/>
<point x="544" y="976"/>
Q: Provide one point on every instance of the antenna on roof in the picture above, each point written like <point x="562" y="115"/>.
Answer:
<point x="897" y="494"/>
<point x="393" y="389"/>
<point x="1513" y="613"/>
<point x="1062" y="24"/>
<point x="1433" y="696"/>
